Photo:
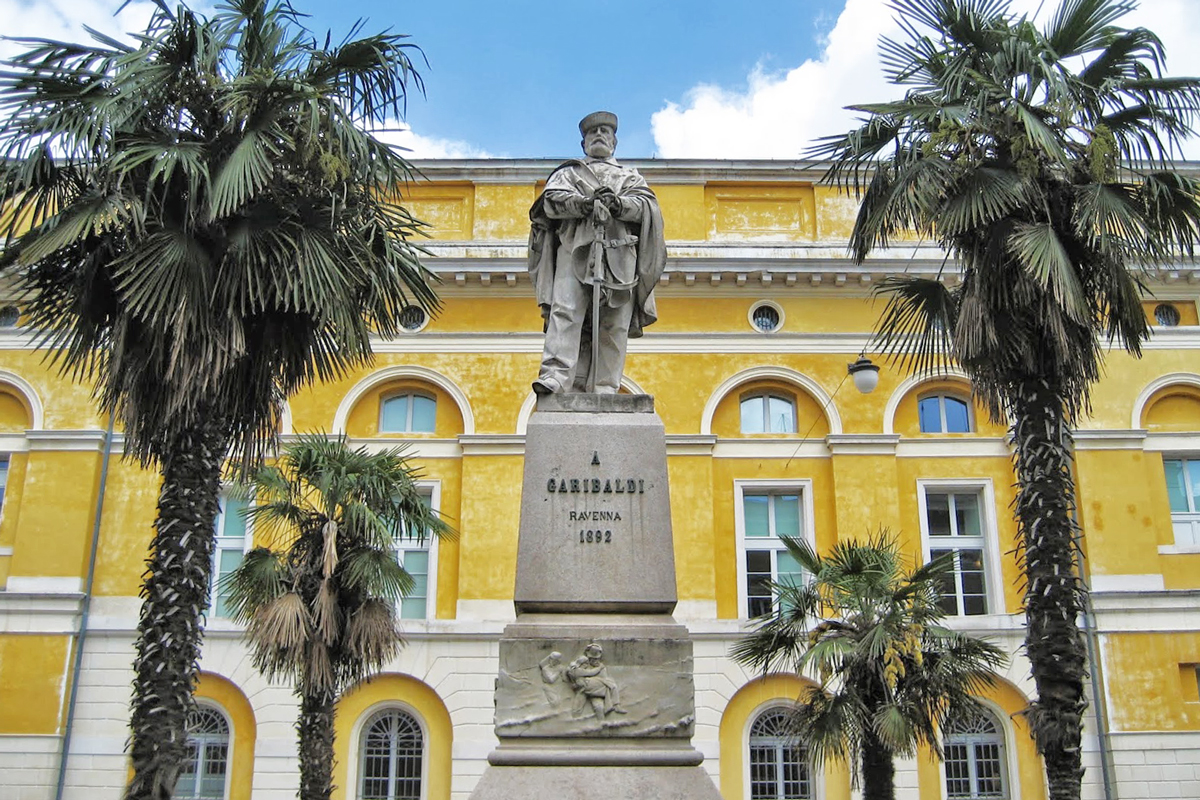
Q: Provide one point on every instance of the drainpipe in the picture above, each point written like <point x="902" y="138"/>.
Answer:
<point x="1093" y="654"/>
<point x="80" y="636"/>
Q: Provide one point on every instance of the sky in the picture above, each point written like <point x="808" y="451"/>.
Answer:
<point x="687" y="78"/>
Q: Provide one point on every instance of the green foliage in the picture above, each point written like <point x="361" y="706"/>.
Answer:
<point x="198" y="221"/>
<point x="319" y="599"/>
<point x="1039" y="159"/>
<point x="867" y="628"/>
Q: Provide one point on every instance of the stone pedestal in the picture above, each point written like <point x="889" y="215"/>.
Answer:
<point x="595" y="694"/>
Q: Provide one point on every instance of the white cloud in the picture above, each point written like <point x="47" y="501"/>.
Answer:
<point x="64" y="20"/>
<point x="417" y="146"/>
<point x="779" y="115"/>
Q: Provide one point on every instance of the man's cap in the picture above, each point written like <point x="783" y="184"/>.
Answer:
<point x="597" y="118"/>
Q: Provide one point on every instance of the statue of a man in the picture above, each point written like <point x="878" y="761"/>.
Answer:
<point x="596" y="250"/>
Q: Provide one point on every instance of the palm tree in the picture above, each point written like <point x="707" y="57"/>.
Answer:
<point x="320" y="600"/>
<point x="1039" y="159"/>
<point x="198" y="225"/>
<point x="890" y="676"/>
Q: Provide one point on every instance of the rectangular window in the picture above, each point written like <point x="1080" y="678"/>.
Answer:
<point x="232" y="543"/>
<point x="956" y="520"/>
<point x="1183" y="491"/>
<point x="766" y="513"/>
<point x="415" y="552"/>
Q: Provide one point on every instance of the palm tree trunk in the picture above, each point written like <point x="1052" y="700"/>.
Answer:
<point x="314" y="731"/>
<point x="175" y="596"/>
<point x="878" y="770"/>
<point x="1053" y="593"/>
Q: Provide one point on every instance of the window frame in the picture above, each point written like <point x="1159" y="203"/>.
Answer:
<point x="766" y="395"/>
<point x="433" y="488"/>
<point x="941" y="396"/>
<point x="815" y="775"/>
<point x="1189" y="518"/>
<point x="988" y="538"/>
<point x="231" y="739"/>
<point x="385" y="398"/>
<point x="354" y="769"/>
<point x="741" y="488"/>
<point x="247" y="546"/>
<point x="1007" y="758"/>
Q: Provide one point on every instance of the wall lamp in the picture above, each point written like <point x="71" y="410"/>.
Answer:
<point x="865" y="374"/>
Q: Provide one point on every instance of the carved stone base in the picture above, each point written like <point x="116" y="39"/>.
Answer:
<point x="640" y="686"/>
<point x="593" y="782"/>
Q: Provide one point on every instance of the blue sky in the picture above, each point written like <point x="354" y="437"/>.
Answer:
<point x="689" y="78"/>
<point x="513" y="78"/>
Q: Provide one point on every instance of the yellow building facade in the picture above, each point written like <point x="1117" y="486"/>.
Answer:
<point x="760" y="312"/>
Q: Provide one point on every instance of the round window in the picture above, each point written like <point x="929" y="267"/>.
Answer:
<point x="766" y="317"/>
<point x="9" y="316"/>
<point x="413" y="318"/>
<point x="1166" y="315"/>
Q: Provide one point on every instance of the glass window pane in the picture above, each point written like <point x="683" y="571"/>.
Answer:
<point x="966" y="512"/>
<point x="755" y="514"/>
<point x="1192" y="468"/>
<point x="929" y="413"/>
<point x="787" y="515"/>
<point x="752" y="415"/>
<point x="958" y="420"/>
<point x="1176" y="485"/>
<point x="787" y="569"/>
<point x="233" y="526"/>
<point x="393" y="415"/>
<point x="413" y="607"/>
<point x="424" y="414"/>
<point x="416" y="562"/>
<point x="758" y="561"/>
<point x="937" y="508"/>
<point x="783" y="415"/>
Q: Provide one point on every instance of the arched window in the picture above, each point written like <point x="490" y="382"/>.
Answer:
<point x="975" y="764"/>
<point x="764" y="412"/>
<point x="391" y="754"/>
<point x="407" y="413"/>
<point x="203" y="774"/>
<point x="944" y="413"/>
<point x="779" y="768"/>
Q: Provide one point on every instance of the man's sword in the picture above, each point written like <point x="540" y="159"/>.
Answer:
<point x="599" y="217"/>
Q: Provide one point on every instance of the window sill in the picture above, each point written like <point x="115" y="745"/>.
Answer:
<point x="1178" y="549"/>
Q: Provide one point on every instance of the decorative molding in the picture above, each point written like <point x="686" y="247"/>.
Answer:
<point x="1178" y="549"/>
<point x="863" y="444"/>
<point x="688" y="444"/>
<point x="770" y="448"/>
<point x="1181" y="442"/>
<point x="912" y="382"/>
<point x="779" y="343"/>
<point x="790" y="376"/>
<point x="36" y="411"/>
<point x="1150" y="582"/>
<point x="933" y="446"/>
<point x="1089" y="439"/>
<point x="484" y="444"/>
<point x="24" y="609"/>
<point x="413" y="448"/>
<point x="400" y="372"/>
<point x="1158" y="384"/>
<point x="89" y="441"/>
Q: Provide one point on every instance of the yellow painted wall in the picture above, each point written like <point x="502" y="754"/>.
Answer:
<point x="907" y="422"/>
<point x="57" y="509"/>
<point x="725" y="472"/>
<point x="1123" y="510"/>
<point x="735" y="730"/>
<point x="33" y="678"/>
<point x="245" y="729"/>
<point x="363" y="420"/>
<point x="690" y="480"/>
<point x="1146" y="689"/>
<point x="1175" y="408"/>
<point x="971" y="471"/>
<point x="386" y="689"/>
<point x="488" y="530"/>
